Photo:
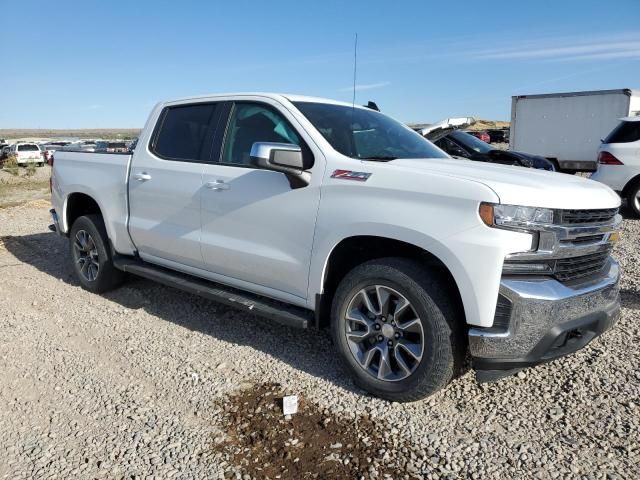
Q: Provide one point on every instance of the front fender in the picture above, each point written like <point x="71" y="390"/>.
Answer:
<point x="474" y="258"/>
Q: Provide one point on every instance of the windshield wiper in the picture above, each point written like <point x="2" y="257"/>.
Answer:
<point x="381" y="158"/>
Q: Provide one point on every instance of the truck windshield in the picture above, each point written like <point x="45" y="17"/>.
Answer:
<point x="367" y="134"/>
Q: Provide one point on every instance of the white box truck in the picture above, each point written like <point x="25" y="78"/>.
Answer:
<point x="567" y="128"/>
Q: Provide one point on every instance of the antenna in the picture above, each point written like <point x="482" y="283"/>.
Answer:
<point x="353" y="100"/>
<point x="355" y="69"/>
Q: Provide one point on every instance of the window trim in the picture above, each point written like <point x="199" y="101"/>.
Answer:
<point x="268" y="106"/>
<point x="208" y="137"/>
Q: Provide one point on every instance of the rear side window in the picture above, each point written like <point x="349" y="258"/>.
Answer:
<point x="624" y="133"/>
<point x="28" y="148"/>
<point x="183" y="131"/>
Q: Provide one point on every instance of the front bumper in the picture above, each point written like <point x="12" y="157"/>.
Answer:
<point x="545" y="319"/>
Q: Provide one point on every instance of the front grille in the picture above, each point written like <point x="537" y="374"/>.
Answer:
<point x="568" y="269"/>
<point x="570" y="217"/>
<point x="583" y="240"/>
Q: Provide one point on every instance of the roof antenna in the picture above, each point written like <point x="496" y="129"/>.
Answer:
<point x="355" y="67"/>
<point x="353" y="99"/>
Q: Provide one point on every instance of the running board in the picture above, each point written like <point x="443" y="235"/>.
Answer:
<point x="279" y="312"/>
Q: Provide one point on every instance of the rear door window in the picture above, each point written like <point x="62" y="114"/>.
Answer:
<point x="626" y="132"/>
<point x="184" y="132"/>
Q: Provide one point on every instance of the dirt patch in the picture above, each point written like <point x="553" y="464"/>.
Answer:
<point x="310" y="444"/>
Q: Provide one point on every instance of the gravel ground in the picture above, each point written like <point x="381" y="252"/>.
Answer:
<point x="148" y="381"/>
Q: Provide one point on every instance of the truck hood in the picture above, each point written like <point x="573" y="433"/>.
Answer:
<point x="521" y="186"/>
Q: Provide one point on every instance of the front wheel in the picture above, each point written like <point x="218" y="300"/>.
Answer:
<point x="397" y="329"/>
<point x="91" y="256"/>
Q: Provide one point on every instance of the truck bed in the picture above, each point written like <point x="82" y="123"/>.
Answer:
<point x="102" y="176"/>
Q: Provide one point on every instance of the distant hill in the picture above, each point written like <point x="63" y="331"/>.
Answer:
<point x="479" y="125"/>
<point x="489" y="124"/>
<point x="124" y="133"/>
<point x="44" y="133"/>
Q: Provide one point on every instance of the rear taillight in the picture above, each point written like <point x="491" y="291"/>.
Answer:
<point x="606" y="158"/>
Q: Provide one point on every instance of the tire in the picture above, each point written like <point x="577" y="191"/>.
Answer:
<point x="440" y="328"/>
<point x="633" y="198"/>
<point x="93" y="267"/>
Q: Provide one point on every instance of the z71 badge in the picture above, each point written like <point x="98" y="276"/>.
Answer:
<point x="351" y="175"/>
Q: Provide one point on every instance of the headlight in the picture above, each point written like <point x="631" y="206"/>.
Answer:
<point x="514" y="216"/>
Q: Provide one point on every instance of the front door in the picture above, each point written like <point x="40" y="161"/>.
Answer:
<point x="257" y="230"/>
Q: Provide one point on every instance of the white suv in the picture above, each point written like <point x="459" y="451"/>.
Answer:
<point x="27" y="153"/>
<point x="619" y="161"/>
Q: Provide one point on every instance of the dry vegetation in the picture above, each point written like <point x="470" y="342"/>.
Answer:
<point x="19" y="185"/>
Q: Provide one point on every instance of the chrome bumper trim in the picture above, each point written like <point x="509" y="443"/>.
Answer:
<point x="541" y="305"/>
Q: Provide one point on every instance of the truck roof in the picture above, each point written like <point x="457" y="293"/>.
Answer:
<point x="275" y="96"/>
<point x="625" y="91"/>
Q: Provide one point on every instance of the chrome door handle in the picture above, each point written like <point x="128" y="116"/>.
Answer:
<point x="217" y="185"/>
<point x="142" y="177"/>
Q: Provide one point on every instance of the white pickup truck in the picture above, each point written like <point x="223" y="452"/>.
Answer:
<point x="315" y="212"/>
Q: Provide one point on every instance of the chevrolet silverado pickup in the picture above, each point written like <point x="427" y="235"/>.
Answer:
<point x="313" y="212"/>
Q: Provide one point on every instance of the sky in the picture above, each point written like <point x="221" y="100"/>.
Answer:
<point x="99" y="64"/>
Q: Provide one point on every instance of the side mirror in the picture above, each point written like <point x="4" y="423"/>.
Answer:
<point x="281" y="157"/>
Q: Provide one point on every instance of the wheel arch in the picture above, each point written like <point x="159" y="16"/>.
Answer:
<point x="78" y="204"/>
<point x="353" y="250"/>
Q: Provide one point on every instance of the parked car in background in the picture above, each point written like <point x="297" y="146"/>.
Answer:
<point x="111" y="147"/>
<point x="462" y="144"/>
<point x="49" y="148"/>
<point x="498" y="135"/>
<point x="480" y="135"/>
<point x="80" y="146"/>
<point x="619" y="162"/>
<point x="27" y="153"/>
<point x="4" y="152"/>
<point x="568" y="128"/>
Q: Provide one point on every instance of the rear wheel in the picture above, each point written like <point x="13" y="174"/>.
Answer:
<point x="91" y="256"/>
<point x="397" y="329"/>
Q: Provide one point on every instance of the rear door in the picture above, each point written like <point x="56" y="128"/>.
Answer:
<point x="165" y="185"/>
<point x="257" y="230"/>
